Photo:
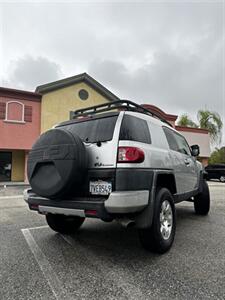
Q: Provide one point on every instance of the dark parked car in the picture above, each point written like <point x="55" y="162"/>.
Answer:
<point x="216" y="171"/>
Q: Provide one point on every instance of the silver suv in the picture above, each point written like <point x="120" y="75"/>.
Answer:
<point x="116" y="161"/>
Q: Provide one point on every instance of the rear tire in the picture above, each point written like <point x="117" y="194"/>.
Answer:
<point x="64" y="224"/>
<point x="160" y="236"/>
<point x="202" y="200"/>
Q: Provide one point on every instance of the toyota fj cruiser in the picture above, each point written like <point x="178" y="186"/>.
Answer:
<point x="116" y="161"/>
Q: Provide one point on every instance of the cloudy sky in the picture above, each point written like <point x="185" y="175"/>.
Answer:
<point x="167" y="53"/>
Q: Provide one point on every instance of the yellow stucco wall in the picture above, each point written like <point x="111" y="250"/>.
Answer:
<point x="56" y="105"/>
<point x="18" y="164"/>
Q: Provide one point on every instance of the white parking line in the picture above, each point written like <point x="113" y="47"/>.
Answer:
<point x="131" y="290"/>
<point x="45" y="266"/>
<point x="38" y="227"/>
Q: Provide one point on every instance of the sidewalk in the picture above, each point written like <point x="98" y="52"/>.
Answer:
<point x="216" y="183"/>
<point x="12" y="188"/>
<point x="13" y="183"/>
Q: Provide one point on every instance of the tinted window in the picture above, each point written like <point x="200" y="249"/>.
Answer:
<point x="182" y="145"/>
<point x="215" y="166"/>
<point x="177" y="142"/>
<point x="170" y="136"/>
<point x="92" y="131"/>
<point x="134" y="129"/>
<point x="221" y="166"/>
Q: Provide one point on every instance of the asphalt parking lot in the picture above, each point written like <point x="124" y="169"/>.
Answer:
<point x="106" y="261"/>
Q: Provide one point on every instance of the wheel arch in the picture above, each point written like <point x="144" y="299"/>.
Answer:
<point x="161" y="178"/>
<point x="167" y="180"/>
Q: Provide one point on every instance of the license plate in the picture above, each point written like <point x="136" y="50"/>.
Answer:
<point x="100" y="187"/>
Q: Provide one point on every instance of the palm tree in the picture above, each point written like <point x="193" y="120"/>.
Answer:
<point x="185" y="121"/>
<point x="212" y="122"/>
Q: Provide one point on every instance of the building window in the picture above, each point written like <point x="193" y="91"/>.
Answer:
<point x="14" y="111"/>
<point x="83" y="94"/>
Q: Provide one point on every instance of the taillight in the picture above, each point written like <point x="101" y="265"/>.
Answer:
<point x="90" y="212"/>
<point x="34" y="206"/>
<point x="130" y="155"/>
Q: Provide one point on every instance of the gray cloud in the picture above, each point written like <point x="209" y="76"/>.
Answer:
<point x="169" y="54"/>
<point x="28" y="72"/>
<point x="170" y="81"/>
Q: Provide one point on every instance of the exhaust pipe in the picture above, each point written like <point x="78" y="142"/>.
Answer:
<point x="127" y="223"/>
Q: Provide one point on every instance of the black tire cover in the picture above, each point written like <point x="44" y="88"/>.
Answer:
<point x="57" y="162"/>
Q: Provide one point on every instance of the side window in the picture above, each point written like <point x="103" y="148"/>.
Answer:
<point x="182" y="145"/>
<point x="171" y="139"/>
<point x="134" y="129"/>
<point x="176" y="142"/>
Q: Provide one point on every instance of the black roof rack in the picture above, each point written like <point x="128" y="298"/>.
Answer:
<point x="120" y="105"/>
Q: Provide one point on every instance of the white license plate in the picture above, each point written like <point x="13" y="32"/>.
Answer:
<point x="100" y="187"/>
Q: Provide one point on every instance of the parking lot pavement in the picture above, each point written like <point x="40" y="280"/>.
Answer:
<point x="106" y="261"/>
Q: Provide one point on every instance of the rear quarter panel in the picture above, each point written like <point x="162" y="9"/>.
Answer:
<point x="157" y="155"/>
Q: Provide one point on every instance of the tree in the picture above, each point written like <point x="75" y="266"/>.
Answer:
<point x="207" y="120"/>
<point x="186" y="121"/>
<point x="212" y="122"/>
<point x="218" y="156"/>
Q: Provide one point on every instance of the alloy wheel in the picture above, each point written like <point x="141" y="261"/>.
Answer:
<point x="166" y="219"/>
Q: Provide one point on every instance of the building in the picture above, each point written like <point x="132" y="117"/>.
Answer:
<point x="19" y="128"/>
<point x="24" y="115"/>
<point x="61" y="97"/>
<point x="200" y="137"/>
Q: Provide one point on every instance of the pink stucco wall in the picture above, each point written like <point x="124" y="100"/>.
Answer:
<point x="21" y="136"/>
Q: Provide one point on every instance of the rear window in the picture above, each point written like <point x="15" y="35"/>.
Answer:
<point x="94" y="130"/>
<point x="134" y="129"/>
<point x="215" y="166"/>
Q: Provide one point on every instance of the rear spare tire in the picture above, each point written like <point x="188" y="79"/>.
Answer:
<point x="56" y="163"/>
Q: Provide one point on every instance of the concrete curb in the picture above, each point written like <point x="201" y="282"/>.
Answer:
<point x="11" y="197"/>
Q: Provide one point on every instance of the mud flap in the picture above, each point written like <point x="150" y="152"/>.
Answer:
<point x="144" y="219"/>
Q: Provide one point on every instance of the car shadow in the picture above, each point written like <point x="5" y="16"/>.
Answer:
<point x="110" y="239"/>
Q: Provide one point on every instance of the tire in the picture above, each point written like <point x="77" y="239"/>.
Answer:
<point x="157" y="238"/>
<point x="222" y="178"/>
<point x="207" y="178"/>
<point x="202" y="200"/>
<point x="64" y="224"/>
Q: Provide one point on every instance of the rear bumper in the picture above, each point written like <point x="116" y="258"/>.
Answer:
<point x="127" y="201"/>
<point x="122" y="202"/>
